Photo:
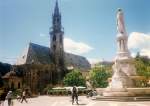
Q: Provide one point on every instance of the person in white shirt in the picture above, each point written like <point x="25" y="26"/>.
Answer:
<point x="9" y="97"/>
<point x="24" y="97"/>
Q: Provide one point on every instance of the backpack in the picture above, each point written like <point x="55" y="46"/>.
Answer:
<point x="74" y="90"/>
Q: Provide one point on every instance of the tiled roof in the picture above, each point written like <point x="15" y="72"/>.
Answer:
<point x="9" y="74"/>
<point x="38" y="54"/>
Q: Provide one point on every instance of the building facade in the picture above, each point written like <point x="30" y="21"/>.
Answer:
<point x="40" y="66"/>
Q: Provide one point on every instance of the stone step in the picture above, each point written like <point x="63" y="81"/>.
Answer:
<point x="121" y="98"/>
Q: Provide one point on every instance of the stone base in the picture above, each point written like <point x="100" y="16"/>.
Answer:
<point x="117" y="93"/>
<point x="105" y="92"/>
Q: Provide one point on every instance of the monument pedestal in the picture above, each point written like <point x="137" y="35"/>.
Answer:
<point x="118" y="86"/>
<point x="117" y="93"/>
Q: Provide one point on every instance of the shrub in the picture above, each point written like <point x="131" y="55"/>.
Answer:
<point x="74" y="78"/>
<point x="99" y="77"/>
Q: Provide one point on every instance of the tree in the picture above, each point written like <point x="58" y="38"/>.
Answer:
<point x="74" y="78"/>
<point x="142" y="65"/>
<point x="4" y="68"/>
<point x="1" y="81"/>
<point x="99" y="76"/>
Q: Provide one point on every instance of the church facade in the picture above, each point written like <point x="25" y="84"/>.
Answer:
<point x="40" y="65"/>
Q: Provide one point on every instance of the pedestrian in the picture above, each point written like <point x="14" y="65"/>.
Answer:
<point x="18" y="98"/>
<point x="24" y="97"/>
<point x="3" y="97"/>
<point x="9" y="98"/>
<point x="74" y="95"/>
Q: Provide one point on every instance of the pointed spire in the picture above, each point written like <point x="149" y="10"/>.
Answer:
<point x="56" y="11"/>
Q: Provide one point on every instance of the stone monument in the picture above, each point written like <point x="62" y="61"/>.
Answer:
<point x="123" y="69"/>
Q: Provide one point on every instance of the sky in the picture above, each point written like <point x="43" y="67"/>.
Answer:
<point x="90" y="26"/>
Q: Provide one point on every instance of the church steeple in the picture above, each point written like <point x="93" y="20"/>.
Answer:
<point x="56" y="43"/>
<point x="56" y="18"/>
<point x="56" y="11"/>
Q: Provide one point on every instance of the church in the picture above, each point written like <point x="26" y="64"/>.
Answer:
<point x="37" y="54"/>
<point x="40" y="65"/>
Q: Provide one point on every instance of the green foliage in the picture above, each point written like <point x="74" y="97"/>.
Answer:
<point x="1" y="81"/>
<point x="58" y="92"/>
<point x="142" y="65"/>
<point x="141" y="83"/>
<point x="99" y="76"/>
<point x="63" y="92"/>
<point x="74" y="78"/>
<point x="4" y="68"/>
<point x="48" y="88"/>
<point x="17" y="92"/>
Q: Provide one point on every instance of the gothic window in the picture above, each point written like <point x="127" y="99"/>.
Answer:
<point x="54" y="38"/>
<point x="54" y="46"/>
<point x="57" y="19"/>
<point x="12" y="85"/>
<point x="60" y="40"/>
<point x="19" y="85"/>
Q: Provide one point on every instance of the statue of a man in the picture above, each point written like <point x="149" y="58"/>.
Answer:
<point x="120" y="22"/>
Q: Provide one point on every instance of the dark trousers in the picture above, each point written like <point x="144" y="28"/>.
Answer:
<point x="23" y="99"/>
<point x="74" y="98"/>
<point x="9" y="101"/>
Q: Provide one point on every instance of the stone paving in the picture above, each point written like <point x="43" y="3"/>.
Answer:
<point x="66" y="101"/>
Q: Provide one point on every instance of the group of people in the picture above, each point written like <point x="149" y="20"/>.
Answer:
<point x="9" y="95"/>
<point x="22" y="97"/>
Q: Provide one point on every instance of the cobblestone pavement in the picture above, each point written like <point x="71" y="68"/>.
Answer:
<point x="66" y="101"/>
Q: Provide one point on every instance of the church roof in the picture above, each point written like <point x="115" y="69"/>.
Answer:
<point x="37" y="54"/>
<point x="9" y="75"/>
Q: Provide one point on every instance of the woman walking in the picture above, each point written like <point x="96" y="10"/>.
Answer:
<point x="24" y="97"/>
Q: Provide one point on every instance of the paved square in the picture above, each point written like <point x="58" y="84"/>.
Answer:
<point x="66" y="101"/>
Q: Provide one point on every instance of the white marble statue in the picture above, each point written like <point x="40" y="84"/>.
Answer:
<point x="124" y="68"/>
<point x="120" y="22"/>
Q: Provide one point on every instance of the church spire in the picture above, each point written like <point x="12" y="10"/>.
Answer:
<point x="56" y="11"/>
<point x="56" y="18"/>
<point x="56" y="43"/>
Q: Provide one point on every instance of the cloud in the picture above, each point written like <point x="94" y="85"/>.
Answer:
<point x="10" y="60"/>
<point x="43" y="35"/>
<point x="133" y="54"/>
<point x="140" y="42"/>
<point x="75" y="47"/>
<point x="145" y="52"/>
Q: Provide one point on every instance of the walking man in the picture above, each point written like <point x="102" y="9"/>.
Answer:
<point x="74" y="95"/>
